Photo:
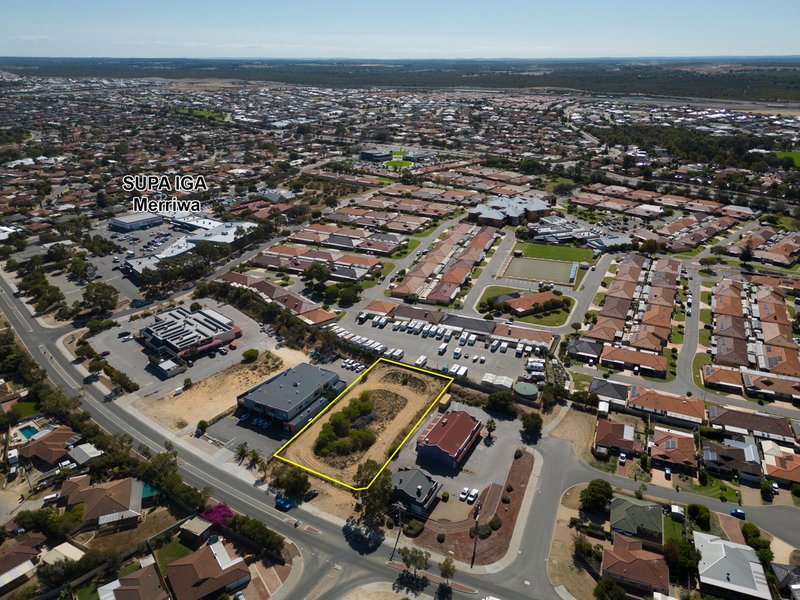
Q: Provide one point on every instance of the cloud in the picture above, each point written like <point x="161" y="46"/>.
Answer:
<point x="33" y="39"/>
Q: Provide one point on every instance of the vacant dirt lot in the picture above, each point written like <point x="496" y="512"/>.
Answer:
<point x="217" y="394"/>
<point x="400" y="397"/>
<point x="578" y="428"/>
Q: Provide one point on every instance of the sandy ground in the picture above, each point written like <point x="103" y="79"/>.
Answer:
<point x="405" y="394"/>
<point x="215" y="395"/>
<point x="453" y="510"/>
<point x="578" y="428"/>
<point x="362" y="594"/>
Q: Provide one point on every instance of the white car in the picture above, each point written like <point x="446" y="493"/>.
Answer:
<point x="622" y="458"/>
<point x="483" y="359"/>
<point x="463" y="495"/>
<point x="473" y="495"/>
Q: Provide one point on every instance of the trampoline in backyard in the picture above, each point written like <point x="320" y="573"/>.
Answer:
<point x="542" y="269"/>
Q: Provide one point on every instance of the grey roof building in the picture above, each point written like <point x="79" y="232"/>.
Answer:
<point x="178" y="329"/>
<point x="729" y="570"/>
<point x="415" y="490"/>
<point x="584" y="349"/>
<point x="292" y="397"/>
<point x="611" y="391"/>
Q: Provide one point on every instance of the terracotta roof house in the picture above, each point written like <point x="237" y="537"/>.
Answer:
<point x="778" y="334"/>
<point x="621" y="289"/>
<point x="780" y="463"/>
<point x="760" y="425"/>
<point x="110" y="504"/>
<point x="626" y="358"/>
<point x="635" y="569"/>
<point x="771" y="386"/>
<point x="649" y="337"/>
<point x="628" y="272"/>
<point x="730" y="326"/>
<point x="729" y="380"/>
<point x="449" y="437"/>
<point x="18" y="558"/>
<point x="662" y="296"/>
<point x="780" y="360"/>
<point x="727" y="305"/>
<point x="675" y="449"/>
<point x="617" y="437"/>
<point x="607" y="329"/>
<point x="658" y="316"/>
<point x="48" y="447"/>
<point x="143" y="584"/>
<point x="207" y="573"/>
<point x="668" y="408"/>
<point x="616" y="308"/>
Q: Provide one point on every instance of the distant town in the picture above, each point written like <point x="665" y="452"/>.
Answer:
<point x="265" y="339"/>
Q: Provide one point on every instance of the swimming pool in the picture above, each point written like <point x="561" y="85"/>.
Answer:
<point x="28" y="431"/>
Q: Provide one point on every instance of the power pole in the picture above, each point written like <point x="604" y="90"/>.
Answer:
<point x="399" y="507"/>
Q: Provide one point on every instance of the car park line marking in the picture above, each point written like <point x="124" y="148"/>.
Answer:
<point x="399" y="446"/>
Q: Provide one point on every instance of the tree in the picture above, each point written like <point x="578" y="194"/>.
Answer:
<point x="531" y="423"/>
<point x="708" y="261"/>
<point x="187" y="383"/>
<point x="596" y="495"/>
<point x="447" y="569"/>
<point x="747" y="253"/>
<point x="202" y="425"/>
<point x="241" y="452"/>
<point x="502" y="402"/>
<point x="700" y="514"/>
<point x="100" y="298"/>
<point x="317" y="272"/>
<point x="718" y="250"/>
<point x="253" y="458"/>
<point x="491" y="425"/>
<point x="250" y="355"/>
<point x="376" y="498"/>
<point x="608" y="589"/>
<point x="415" y="558"/>
<point x="292" y="480"/>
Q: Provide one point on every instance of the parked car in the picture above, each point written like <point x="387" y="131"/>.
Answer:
<point x="622" y="458"/>
<point x="738" y="513"/>
<point x="668" y="473"/>
<point x="282" y="503"/>
<point x="473" y="495"/>
<point x="310" y="495"/>
<point x="463" y="495"/>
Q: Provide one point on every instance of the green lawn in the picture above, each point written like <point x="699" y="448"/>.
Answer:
<point x="673" y="530"/>
<point x="581" y="381"/>
<point x="171" y="552"/>
<point x="793" y="155"/>
<point x="689" y="253"/>
<point x="497" y="290"/>
<point x="203" y="113"/>
<point x="387" y="267"/>
<point x="705" y="298"/>
<point x="567" y="253"/>
<point x="25" y="409"/>
<point x="705" y="316"/>
<point x="425" y="232"/>
<point x="128" y="569"/>
<point x="598" y="298"/>
<point x="400" y="164"/>
<point x="715" y="489"/>
<point x="705" y="337"/>
<point x="87" y="592"/>
<point x="550" y="186"/>
<point x="407" y="249"/>
<point x="677" y="336"/>
<point x="700" y="359"/>
<point x="680" y="313"/>
<point x="553" y="319"/>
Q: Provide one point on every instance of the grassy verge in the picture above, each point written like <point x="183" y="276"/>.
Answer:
<point x="700" y="359"/>
<point x="705" y="298"/>
<point x="677" y="336"/>
<point x="705" y="337"/>
<point x="408" y="249"/>
<point x="581" y="381"/>
<point x="705" y="316"/>
<point x="673" y="530"/>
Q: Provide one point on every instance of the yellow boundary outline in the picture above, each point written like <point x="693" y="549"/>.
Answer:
<point x="335" y="400"/>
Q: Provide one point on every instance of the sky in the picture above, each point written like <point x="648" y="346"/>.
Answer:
<point x="400" y="29"/>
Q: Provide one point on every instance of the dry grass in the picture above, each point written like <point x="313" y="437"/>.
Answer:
<point x="217" y="394"/>
<point x="155" y="521"/>
<point x="578" y="428"/>
<point x="400" y="397"/>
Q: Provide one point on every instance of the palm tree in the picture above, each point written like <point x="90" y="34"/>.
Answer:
<point x="263" y="468"/>
<point x="490" y="427"/>
<point x="241" y="452"/>
<point x="253" y="458"/>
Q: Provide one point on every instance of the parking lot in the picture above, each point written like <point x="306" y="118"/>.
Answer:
<point x="130" y="356"/>
<point x="486" y="463"/>
<point x="415" y="345"/>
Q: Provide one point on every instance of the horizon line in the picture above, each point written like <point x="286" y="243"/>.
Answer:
<point x="432" y="58"/>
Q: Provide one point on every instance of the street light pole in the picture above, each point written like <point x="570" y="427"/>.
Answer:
<point x="399" y="506"/>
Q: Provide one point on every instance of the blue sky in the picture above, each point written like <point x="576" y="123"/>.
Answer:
<point x="400" y="29"/>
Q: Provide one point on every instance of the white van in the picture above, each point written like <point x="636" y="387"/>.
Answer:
<point x="51" y="499"/>
<point x="504" y="347"/>
<point x="472" y="339"/>
<point x="448" y="335"/>
<point x="442" y="348"/>
<point x="457" y="353"/>
<point x="463" y="339"/>
<point x="421" y="361"/>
